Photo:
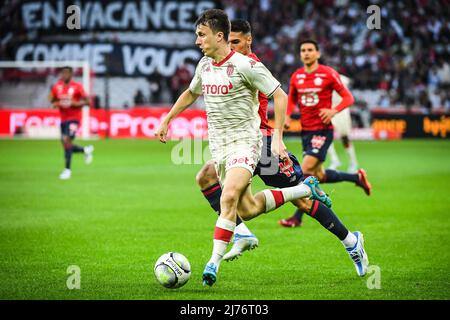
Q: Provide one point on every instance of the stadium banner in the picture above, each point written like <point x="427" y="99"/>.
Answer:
<point x="192" y="123"/>
<point x="133" y="123"/>
<point x="399" y="125"/>
<point x="50" y="16"/>
<point x="118" y="59"/>
<point x="118" y="38"/>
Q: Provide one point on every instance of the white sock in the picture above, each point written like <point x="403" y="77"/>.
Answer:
<point x="219" y="249"/>
<point x="242" y="229"/>
<point x="351" y="155"/>
<point x="350" y="240"/>
<point x="222" y="235"/>
<point x="333" y="154"/>
<point x="273" y="200"/>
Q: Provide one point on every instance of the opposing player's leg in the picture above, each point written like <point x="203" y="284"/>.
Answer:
<point x="66" y="140"/>
<point x="315" y="145"/>
<point x="250" y="206"/>
<point x="88" y="154"/>
<point x="353" y="242"/>
<point x="208" y="182"/>
<point x="67" y="173"/>
<point x="310" y="167"/>
<point x="292" y="222"/>
<point x="350" y="150"/>
<point x="342" y="123"/>
<point x="68" y="134"/>
<point x="335" y="161"/>
<point x="281" y="174"/>
<point x="237" y="197"/>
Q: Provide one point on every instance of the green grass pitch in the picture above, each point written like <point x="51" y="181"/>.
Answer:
<point x="115" y="217"/>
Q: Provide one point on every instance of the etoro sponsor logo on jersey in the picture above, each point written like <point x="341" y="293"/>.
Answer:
<point x="216" y="89"/>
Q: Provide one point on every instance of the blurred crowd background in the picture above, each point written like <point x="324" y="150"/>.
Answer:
<point x="405" y="63"/>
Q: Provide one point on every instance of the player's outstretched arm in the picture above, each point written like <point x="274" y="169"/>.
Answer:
<point x="183" y="102"/>
<point x="280" y="105"/>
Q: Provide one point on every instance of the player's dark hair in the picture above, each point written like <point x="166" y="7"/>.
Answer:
<point x="316" y="45"/>
<point x="239" y="25"/>
<point x="67" y="68"/>
<point x="217" y="20"/>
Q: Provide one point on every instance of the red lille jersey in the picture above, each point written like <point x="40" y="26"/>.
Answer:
<point x="262" y="111"/>
<point x="312" y="92"/>
<point x="65" y="94"/>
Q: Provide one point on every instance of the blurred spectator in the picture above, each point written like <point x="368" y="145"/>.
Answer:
<point x="96" y="101"/>
<point x="156" y="81"/>
<point x="424" y="101"/>
<point x="180" y="81"/>
<point x="411" y="50"/>
<point x="361" y="114"/>
<point x="139" y="98"/>
<point x="384" y="101"/>
<point x="443" y="74"/>
<point x="445" y="100"/>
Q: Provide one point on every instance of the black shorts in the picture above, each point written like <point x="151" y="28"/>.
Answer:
<point x="275" y="172"/>
<point x="316" y="143"/>
<point x="69" y="128"/>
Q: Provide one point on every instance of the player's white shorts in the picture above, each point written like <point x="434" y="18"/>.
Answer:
<point x="342" y="122"/>
<point x="237" y="155"/>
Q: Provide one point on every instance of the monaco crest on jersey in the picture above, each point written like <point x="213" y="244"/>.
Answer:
<point x="230" y="69"/>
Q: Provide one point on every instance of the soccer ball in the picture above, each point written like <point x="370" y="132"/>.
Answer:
<point x="172" y="270"/>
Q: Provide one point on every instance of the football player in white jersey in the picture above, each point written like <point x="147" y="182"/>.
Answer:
<point x="230" y="82"/>
<point x="342" y="124"/>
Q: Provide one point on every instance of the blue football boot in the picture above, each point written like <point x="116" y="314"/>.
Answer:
<point x="317" y="193"/>
<point x="210" y="274"/>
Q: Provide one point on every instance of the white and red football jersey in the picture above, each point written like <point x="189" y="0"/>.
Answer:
<point x="230" y="89"/>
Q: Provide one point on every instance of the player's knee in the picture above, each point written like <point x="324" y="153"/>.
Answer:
<point x="229" y="198"/>
<point x="308" y="169"/>
<point x="207" y="176"/>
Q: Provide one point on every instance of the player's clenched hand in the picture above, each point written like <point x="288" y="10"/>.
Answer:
<point x="326" y="115"/>
<point x="278" y="148"/>
<point x="161" y="133"/>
